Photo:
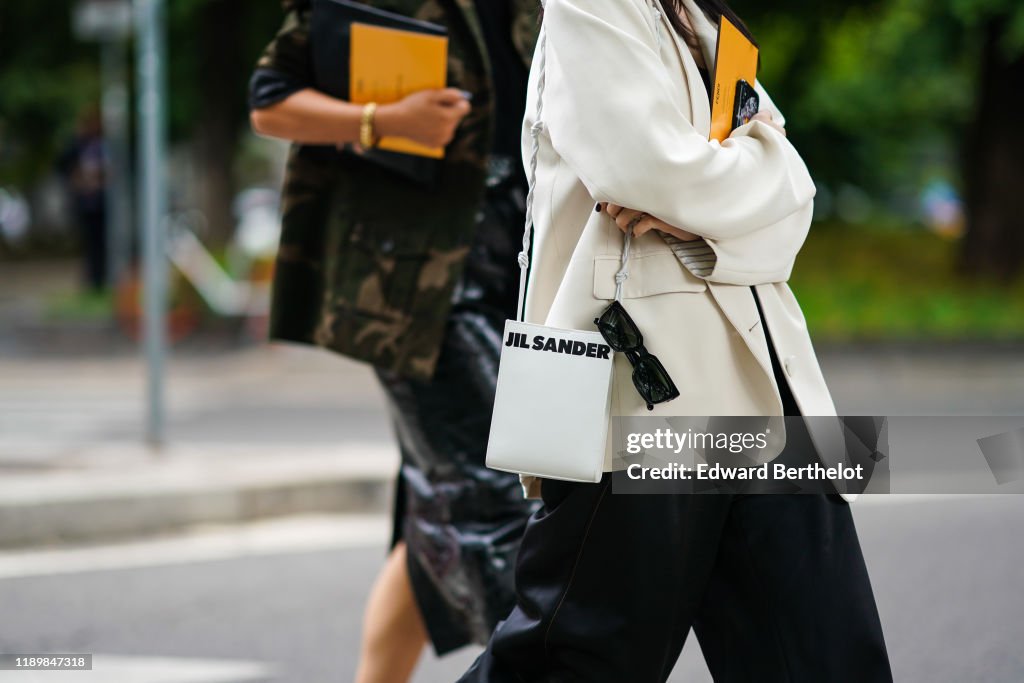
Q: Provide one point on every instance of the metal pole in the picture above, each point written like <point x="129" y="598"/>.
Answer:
<point x="118" y="178"/>
<point x="152" y="205"/>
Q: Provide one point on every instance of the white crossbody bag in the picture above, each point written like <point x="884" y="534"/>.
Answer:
<point x="551" y="410"/>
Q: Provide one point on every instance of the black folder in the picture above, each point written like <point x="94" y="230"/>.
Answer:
<point x="330" y="40"/>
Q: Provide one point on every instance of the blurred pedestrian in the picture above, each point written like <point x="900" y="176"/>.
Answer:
<point x="417" y="278"/>
<point x="83" y="167"/>
<point x="609" y="585"/>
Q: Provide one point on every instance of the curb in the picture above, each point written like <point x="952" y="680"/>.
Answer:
<point x="178" y="492"/>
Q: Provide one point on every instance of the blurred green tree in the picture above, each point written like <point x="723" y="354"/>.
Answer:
<point x="212" y="46"/>
<point x="49" y="77"/>
<point x="879" y="94"/>
<point x="47" y="80"/>
<point x="994" y="143"/>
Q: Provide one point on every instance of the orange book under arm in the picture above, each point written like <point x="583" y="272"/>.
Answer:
<point x="735" y="59"/>
<point x="386" y="64"/>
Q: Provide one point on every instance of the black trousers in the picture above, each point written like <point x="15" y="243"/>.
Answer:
<point x="93" y="234"/>
<point x="609" y="586"/>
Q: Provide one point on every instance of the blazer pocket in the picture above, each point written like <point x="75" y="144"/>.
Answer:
<point x="649" y="274"/>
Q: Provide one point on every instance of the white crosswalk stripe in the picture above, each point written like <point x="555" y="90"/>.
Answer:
<point x="288" y="535"/>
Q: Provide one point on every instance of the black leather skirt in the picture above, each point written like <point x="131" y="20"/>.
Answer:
<point x="462" y="522"/>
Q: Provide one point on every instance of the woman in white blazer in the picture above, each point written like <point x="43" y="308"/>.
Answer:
<point x="775" y="586"/>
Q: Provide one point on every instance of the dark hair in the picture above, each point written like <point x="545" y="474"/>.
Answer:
<point x="715" y="9"/>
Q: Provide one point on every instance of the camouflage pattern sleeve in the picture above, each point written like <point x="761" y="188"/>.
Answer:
<point x="285" y="66"/>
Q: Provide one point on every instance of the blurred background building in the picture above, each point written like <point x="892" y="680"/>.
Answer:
<point x="241" y="549"/>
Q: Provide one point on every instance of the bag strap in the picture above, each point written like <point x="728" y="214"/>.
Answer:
<point x="535" y="130"/>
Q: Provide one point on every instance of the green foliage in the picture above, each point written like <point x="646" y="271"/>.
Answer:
<point x="194" y="37"/>
<point x="973" y="13"/>
<point x="79" y="306"/>
<point x="856" y="284"/>
<point x="47" y="78"/>
<point x="878" y="94"/>
<point x="874" y="92"/>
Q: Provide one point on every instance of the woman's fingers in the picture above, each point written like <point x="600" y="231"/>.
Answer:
<point x="627" y="218"/>
<point x="641" y="222"/>
<point x="766" y="117"/>
<point x="645" y="224"/>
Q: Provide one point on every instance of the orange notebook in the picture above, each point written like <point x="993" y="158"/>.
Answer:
<point x="735" y="58"/>
<point x="386" y="64"/>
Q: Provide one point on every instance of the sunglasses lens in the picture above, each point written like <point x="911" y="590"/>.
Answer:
<point x="652" y="380"/>
<point x="618" y="329"/>
<point x="649" y="376"/>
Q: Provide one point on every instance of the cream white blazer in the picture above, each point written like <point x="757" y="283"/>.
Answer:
<point x="625" y="120"/>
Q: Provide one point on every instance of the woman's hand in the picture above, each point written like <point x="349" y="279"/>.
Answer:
<point x="428" y="117"/>
<point x="642" y="222"/>
<point x="766" y="117"/>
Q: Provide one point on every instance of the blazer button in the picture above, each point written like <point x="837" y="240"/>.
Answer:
<point x="788" y="364"/>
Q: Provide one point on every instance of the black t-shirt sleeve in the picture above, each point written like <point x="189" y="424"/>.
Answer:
<point x="285" y="67"/>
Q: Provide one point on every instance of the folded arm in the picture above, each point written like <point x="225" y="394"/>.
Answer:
<point x="610" y="115"/>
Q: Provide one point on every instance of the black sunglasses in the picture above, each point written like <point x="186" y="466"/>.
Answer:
<point x="649" y="376"/>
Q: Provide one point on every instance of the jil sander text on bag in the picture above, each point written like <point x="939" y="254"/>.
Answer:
<point x="557" y="345"/>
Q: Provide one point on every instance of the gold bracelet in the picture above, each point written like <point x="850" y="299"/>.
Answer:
<point x="367" y="132"/>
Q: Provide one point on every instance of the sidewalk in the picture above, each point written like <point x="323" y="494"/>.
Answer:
<point x="115" y="493"/>
<point x="256" y="433"/>
<point x="252" y="433"/>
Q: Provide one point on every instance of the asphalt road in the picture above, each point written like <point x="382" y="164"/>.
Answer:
<point x="946" y="574"/>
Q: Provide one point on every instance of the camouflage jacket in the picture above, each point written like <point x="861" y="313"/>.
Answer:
<point x="368" y="260"/>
